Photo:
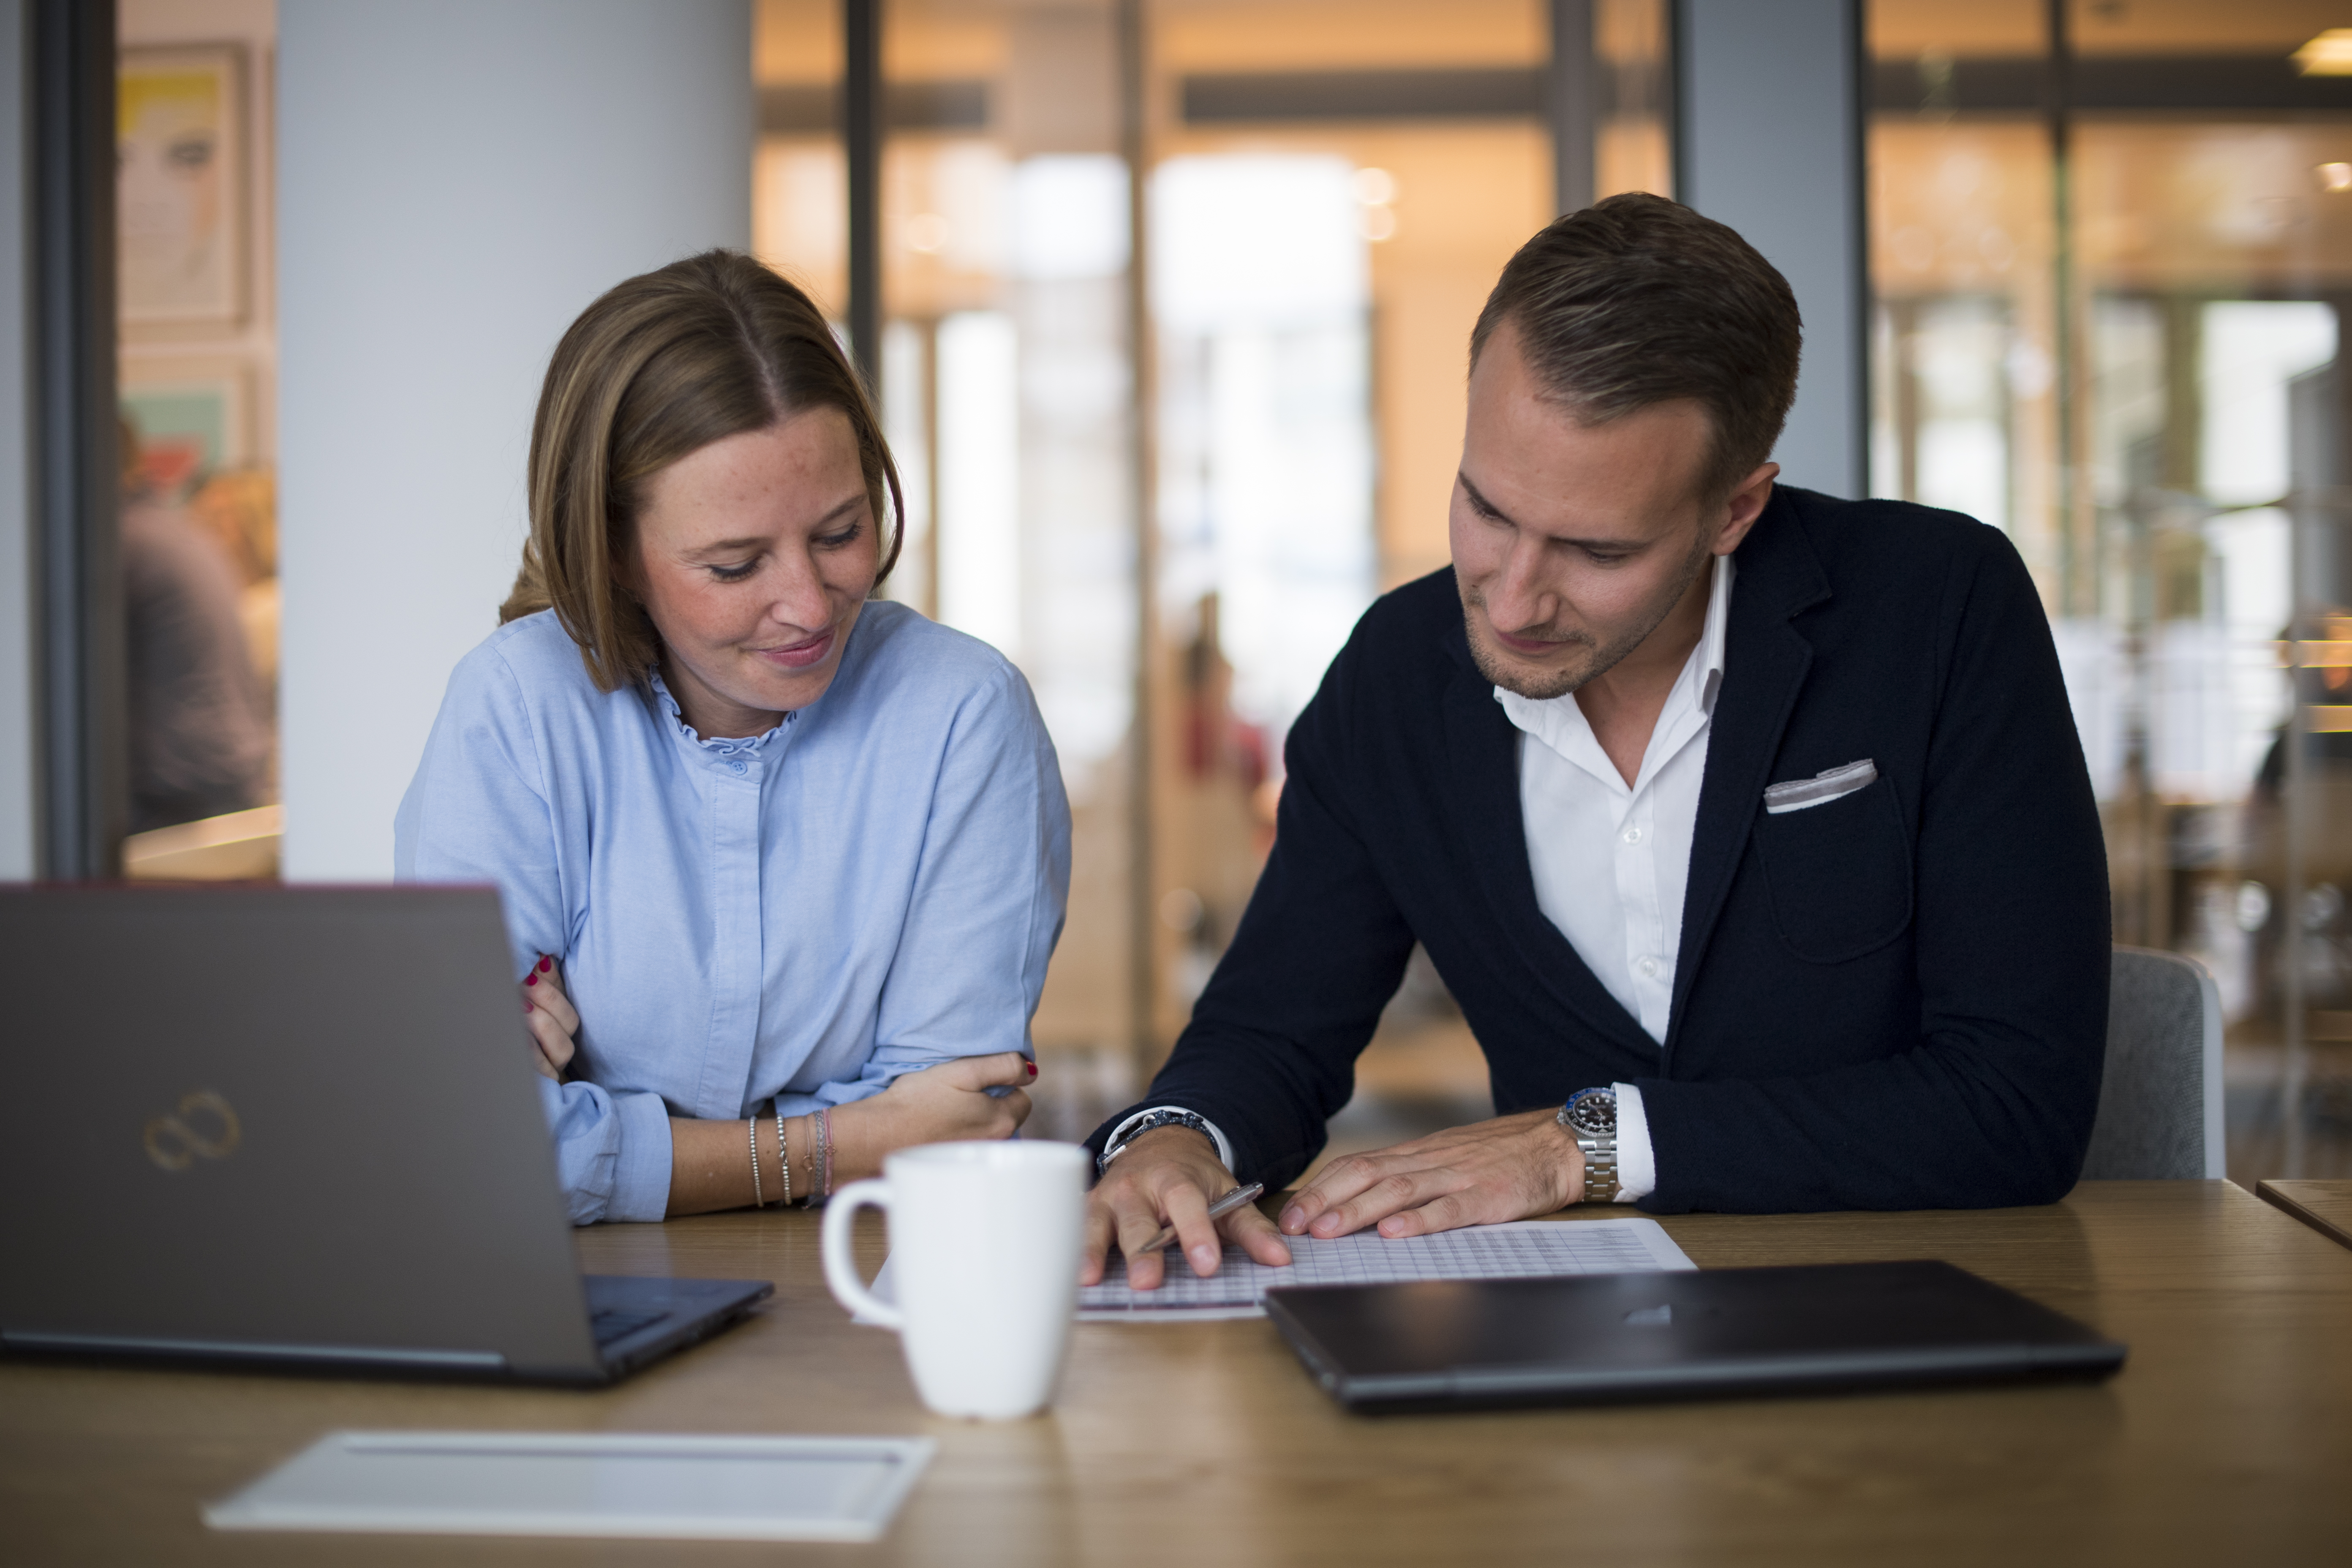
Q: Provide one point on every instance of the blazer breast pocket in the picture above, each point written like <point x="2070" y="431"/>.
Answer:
<point x="1838" y="873"/>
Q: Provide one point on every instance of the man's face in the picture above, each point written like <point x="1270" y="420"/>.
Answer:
<point x="1572" y="542"/>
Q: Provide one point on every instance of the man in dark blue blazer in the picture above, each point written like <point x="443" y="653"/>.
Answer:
<point x="1748" y="827"/>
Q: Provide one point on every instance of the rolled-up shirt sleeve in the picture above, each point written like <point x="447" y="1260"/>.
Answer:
<point x="478" y="810"/>
<point x="612" y="1151"/>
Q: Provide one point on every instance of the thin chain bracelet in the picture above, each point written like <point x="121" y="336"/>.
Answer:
<point x="758" y="1202"/>
<point x="825" y="1147"/>
<point x="784" y="1155"/>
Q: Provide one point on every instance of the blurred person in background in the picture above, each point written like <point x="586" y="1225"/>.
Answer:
<point x="2315" y="933"/>
<point x="782" y="864"/>
<point x="199" y="716"/>
<point x="240" y="507"/>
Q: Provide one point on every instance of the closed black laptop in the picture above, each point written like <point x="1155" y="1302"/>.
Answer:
<point x="1609" y="1337"/>
<point x="296" y="1126"/>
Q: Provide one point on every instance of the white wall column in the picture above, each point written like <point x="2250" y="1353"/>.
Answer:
<point x="455" y="181"/>
<point x="20" y="715"/>
<point x="1768" y="124"/>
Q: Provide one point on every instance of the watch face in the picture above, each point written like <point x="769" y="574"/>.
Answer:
<point x="1594" y="1113"/>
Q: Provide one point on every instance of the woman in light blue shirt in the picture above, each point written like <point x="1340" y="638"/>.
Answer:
<point x="798" y="858"/>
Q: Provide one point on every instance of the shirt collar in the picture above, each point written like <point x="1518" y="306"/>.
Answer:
<point x="723" y="747"/>
<point x="1561" y="724"/>
<point x="1716" y="638"/>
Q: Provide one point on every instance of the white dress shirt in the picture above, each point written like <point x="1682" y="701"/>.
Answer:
<point x="1611" y="859"/>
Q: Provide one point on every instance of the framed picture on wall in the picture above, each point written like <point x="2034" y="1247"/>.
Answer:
<point x="192" y="414"/>
<point x="180" y="142"/>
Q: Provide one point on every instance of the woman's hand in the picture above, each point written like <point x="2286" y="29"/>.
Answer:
<point x="938" y="1105"/>
<point x="552" y="1017"/>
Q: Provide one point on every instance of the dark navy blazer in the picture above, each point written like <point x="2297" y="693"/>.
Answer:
<point x="1895" y="1000"/>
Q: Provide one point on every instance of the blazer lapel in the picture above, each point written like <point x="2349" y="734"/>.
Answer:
<point x="1483" y="744"/>
<point x="1765" y="663"/>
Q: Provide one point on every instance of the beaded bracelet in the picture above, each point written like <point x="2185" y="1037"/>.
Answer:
<point x="783" y="1152"/>
<point x="758" y="1202"/>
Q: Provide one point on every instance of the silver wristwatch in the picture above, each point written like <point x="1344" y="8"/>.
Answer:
<point x="1137" y="1126"/>
<point x="1590" y="1118"/>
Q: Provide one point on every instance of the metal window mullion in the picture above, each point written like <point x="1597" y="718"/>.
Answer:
<point x="1574" y="122"/>
<point x="77" y="477"/>
<point x="861" y="145"/>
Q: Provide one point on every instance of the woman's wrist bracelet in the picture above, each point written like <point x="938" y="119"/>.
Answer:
<point x="784" y="1155"/>
<point x="758" y="1202"/>
<point x="820" y="1157"/>
<point x="824" y="1147"/>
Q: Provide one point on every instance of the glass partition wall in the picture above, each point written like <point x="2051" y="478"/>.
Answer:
<point x="195" y="375"/>
<point x="1336" y="186"/>
<point x="2110" y="245"/>
<point x="1006" y="373"/>
<point x="1166" y="485"/>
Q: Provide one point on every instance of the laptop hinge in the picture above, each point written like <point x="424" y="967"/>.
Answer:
<point x="131" y="1344"/>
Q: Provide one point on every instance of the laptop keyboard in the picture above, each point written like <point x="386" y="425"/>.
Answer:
<point x="616" y="1323"/>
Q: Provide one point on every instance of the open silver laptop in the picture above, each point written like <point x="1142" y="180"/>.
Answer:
<point x="299" y="1126"/>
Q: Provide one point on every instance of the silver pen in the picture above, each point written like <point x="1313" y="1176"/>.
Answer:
<point x="1218" y="1210"/>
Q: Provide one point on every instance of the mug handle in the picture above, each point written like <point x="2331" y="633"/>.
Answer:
<point x="840" y="1269"/>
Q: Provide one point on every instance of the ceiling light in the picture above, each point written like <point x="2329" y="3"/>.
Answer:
<point x="2334" y="176"/>
<point x="2330" y="54"/>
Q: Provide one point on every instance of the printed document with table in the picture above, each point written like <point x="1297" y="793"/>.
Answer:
<point x="1523" y="1249"/>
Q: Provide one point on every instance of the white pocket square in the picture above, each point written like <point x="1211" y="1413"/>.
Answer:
<point x="1797" y="795"/>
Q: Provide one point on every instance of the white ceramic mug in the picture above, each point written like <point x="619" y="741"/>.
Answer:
<point x="984" y="1264"/>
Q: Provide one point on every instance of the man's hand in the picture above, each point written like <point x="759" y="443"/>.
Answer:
<point x="1170" y="1175"/>
<point x="1511" y="1168"/>
<point x="552" y="1022"/>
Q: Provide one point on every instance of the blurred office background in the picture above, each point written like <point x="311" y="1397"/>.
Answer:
<point x="1166" y="302"/>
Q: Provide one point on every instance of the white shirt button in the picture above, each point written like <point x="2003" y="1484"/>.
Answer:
<point x="1648" y="968"/>
<point x="1632" y="836"/>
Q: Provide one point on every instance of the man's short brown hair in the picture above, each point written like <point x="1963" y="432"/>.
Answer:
<point x="1640" y="300"/>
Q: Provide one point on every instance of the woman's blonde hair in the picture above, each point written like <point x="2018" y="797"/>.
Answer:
<point x="661" y="366"/>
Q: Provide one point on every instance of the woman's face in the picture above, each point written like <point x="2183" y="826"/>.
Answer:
<point x="753" y="557"/>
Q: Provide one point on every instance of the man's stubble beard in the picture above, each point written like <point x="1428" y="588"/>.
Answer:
<point x="1492" y="662"/>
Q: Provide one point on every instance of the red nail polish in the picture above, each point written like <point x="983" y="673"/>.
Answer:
<point x="1033" y="1070"/>
<point x="545" y="964"/>
<point x="527" y="1006"/>
<point x="531" y="979"/>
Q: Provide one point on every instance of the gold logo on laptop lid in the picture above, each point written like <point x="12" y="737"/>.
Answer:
<point x="204" y="1126"/>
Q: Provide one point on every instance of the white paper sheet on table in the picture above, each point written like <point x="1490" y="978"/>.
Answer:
<point x="1523" y="1249"/>
<point x="585" y="1484"/>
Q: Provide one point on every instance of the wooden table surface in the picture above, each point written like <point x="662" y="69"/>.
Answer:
<point x="2325" y="1207"/>
<point x="2226" y="1438"/>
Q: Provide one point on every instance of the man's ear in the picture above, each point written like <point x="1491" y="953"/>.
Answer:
<point x="1744" y="506"/>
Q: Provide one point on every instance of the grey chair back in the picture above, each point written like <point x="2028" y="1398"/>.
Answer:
<point x="2160" y="1102"/>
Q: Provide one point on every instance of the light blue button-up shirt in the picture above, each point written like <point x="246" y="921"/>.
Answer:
<point x="871" y="887"/>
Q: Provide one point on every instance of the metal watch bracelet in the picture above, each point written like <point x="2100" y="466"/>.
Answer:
<point x="1590" y="1118"/>
<point x="1601" y="1182"/>
<point x="1147" y="1123"/>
